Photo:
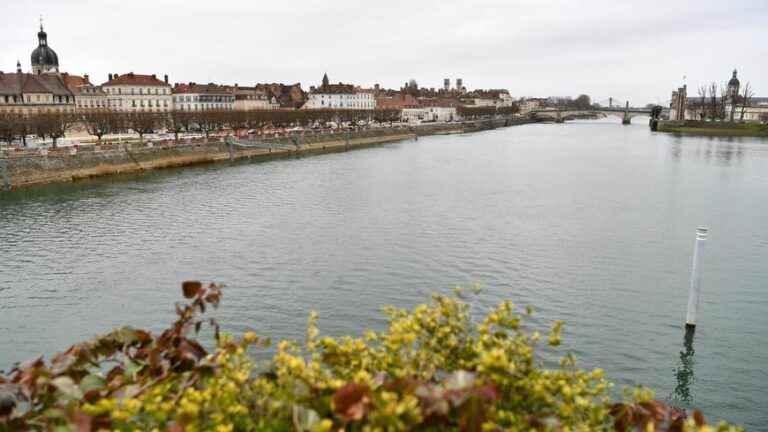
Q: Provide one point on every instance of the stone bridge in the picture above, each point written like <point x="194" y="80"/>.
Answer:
<point x="560" y="115"/>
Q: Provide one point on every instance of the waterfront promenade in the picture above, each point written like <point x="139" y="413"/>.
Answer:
<point x="42" y="166"/>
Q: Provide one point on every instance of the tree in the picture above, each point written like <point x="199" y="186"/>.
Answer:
<point x="142" y="122"/>
<point x="8" y="129"/>
<point x="178" y="121"/>
<point x="99" y="122"/>
<point x="582" y="102"/>
<point x="746" y="98"/>
<point x="713" y="103"/>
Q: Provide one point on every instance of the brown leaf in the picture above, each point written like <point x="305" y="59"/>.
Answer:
<point x="191" y="288"/>
<point x="698" y="417"/>
<point x="82" y="422"/>
<point x="352" y="401"/>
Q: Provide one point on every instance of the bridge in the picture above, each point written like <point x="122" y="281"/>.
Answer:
<point x="561" y="115"/>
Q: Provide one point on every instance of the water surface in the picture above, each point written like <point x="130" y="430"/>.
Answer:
<point x="590" y="222"/>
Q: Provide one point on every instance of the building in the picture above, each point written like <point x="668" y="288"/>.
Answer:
<point x="531" y="104"/>
<point x="399" y="101"/>
<point x="44" y="59"/>
<point x="34" y="93"/>
<point x="286" y="96"/>
<point x="202" y="97"/>
<point x="735" y="108"/>
<point x="134" y="92"/>
<point x="253" y="98"/>
<point x="340" y="96"/>
<point x="87" y="95"/>
<point x="679" y="104"/>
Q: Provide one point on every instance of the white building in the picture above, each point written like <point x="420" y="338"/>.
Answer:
<point x="429" y="114"/>
<point x="134" y="92"/>
<point x="340" y="96"/>
<point x="253" y="98"/>
<point x="87" y="95"/>
<point x="202" y="97"/>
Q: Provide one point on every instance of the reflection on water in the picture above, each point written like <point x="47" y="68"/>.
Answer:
<point x="723" y="151"/>
<point x="682" y="397"/>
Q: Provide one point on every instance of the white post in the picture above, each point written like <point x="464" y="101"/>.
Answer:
<point x="694" y="294"/>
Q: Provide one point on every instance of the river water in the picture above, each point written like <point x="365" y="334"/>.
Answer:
<point x="590" y="222"/>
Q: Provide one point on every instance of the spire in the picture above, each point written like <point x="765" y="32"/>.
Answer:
<point x="734" y="73"/>
<point x="326" y="82"/>
<point x="42" y="37"/>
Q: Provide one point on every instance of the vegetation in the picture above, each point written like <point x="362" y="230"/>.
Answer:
<point x="433" y="368"/>
<point x="719" y="129"/>
<point x="100" y="122"/>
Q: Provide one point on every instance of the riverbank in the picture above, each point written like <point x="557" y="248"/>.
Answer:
<point x="40" y="166"/>
<point x="721" y="129"/>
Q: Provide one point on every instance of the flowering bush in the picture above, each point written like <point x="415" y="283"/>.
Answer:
<point x="433" y="368"/>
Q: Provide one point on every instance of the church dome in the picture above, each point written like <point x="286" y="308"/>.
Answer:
<point x="43" y="57"/>
<point x="734" y="82"/>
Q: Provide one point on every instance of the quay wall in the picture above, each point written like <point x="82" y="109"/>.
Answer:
<point x="38" y="166"/>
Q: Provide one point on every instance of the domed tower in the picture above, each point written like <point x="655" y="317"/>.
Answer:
<point x="44" y="59"/>
<point x="733" y="87"/>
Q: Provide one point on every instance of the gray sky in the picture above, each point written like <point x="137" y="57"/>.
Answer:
<point x="627" y="49"/>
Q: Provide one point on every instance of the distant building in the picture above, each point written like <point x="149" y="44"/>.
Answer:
<point x="683" y="107"/>
<point x="284" y="96"/>
<point x="399" y="101"/>
<point x="531" y="104"/>
<point x="253" y="98"/>
<point x="44" y="59"/>
<point x="87" y="95"/>
<point x="340" y="96"/>
<point x="34" y="93"/>
<point x="202" y="97"/>
<point x="135" y="92"/>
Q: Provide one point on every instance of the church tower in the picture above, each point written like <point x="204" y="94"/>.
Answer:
<point x="733" y="87"/>
<point x="44" y="59"/>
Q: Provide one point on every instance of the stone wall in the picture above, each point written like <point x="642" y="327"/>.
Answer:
<point x="38" y="166"/>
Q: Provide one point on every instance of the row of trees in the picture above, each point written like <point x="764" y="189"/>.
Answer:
<point x="99" y="123"/>
<point x="714" y="102"/>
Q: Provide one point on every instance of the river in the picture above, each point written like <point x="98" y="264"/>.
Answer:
<point x="591" y="222"/>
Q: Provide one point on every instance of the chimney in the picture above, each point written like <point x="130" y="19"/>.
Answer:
<point x="110" y="77"/>
<point x="86" y="77"/>
<point x="166" y="78"/>
<point x="154" y="76"/>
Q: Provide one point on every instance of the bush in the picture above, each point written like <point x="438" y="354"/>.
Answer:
<point x="433" y="368"/>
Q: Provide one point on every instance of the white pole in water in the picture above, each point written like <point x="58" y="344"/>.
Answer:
<point x="694" y="294"/>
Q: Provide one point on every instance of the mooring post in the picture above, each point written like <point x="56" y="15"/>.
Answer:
<point x="694" y="293"/>
<point x="230" y="147"/>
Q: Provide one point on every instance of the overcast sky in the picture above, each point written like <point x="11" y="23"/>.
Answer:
<point x="627" y="49"/>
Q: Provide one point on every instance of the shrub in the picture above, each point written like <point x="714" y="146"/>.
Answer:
<point x="433" y="368"/>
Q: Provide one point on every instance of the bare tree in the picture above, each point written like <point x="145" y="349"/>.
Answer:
<point x="746" y="98"/>
<point x="178" y="121"/>
<point x="713" y="101"/>
<point x="701" y="104"/>
<point x="723" y="102"/>
<point x="8" y="128"/>
<point x="99" y="122"/>
<point x="142" y="122"/>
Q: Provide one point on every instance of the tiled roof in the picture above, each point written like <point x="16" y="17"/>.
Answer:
<point x="335" y="89"/>
<point x="135" y="79"/>
<point x="202" y="89"/>
<point x="19" y="83"/>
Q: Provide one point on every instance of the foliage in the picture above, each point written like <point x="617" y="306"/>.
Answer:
<point x="433" y="368"/>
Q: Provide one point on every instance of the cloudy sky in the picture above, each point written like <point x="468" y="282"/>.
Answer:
<point x="637" y="50"/>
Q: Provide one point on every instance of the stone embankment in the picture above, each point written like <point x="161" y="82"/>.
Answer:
<point x="39" y="166"/>
<point x="711" y="128"/>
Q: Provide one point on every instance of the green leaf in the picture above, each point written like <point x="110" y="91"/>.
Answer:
<point x="67" y="387"/>
<point x="92" y="382"/>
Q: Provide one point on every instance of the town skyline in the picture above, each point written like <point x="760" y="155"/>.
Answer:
<point x="226" y="42"/>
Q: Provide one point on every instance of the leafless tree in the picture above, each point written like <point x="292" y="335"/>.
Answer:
<point x="746" y="98"/>
<point x="701" y="104"/>
<point x="100" y="122"/>
<point x="8" y="128"/>
<point x="722" y="103"/>
<point x="178" y="121"/>
<point x="142" y="122"/>
<point x="713" y="102"/>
